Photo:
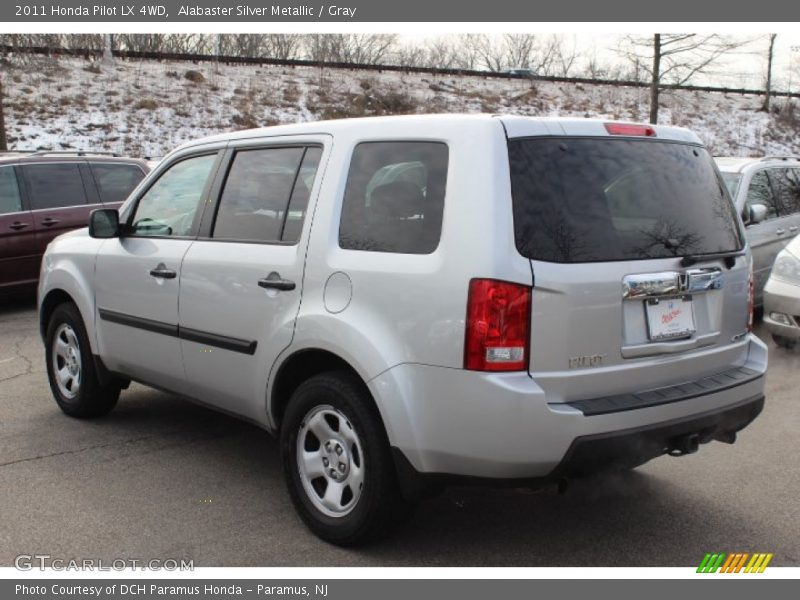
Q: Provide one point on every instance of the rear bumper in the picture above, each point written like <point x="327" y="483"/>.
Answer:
<point x="592" y="454"/>
<point x="501" y="426"/>
<point x="784" y="299"/>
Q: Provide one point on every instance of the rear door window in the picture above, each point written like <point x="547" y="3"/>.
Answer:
<point x="265" y="194"/>
<point x="10" y="199"/>
<point x="588" y="200"/>
<point x="115" y="181"/>
<point x="786" y="183"/>
<point x="54" y="185"/>
<point x="760" y="192"/>
<point x="394" y="197"/>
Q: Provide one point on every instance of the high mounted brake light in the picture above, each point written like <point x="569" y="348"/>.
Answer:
<point x="498" y="326"/>
<point x="630" y="130"/>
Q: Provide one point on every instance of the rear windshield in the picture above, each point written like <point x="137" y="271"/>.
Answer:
<point x="588" y="200"/>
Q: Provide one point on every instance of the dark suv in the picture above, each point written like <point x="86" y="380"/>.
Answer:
<point x="44" y="194"/>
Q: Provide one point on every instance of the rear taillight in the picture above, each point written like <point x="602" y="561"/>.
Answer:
<point x="498" y="326"/>
<point x="751" y="294"/>
<point x="630" y="129"/>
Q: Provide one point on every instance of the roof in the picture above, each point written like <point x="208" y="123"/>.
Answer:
<point x="515" y="127"/>
<point x="13" y="157"/>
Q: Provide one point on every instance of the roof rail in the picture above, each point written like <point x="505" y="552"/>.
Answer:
<point x="73" y="153"/>
<point x="781" y="157"/>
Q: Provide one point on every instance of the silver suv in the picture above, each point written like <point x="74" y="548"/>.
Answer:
<point x="410" y="302"/>
<point x="766" y="193"/>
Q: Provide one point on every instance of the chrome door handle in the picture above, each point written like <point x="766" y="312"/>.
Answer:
<point x="780" y="231"/>
<point x="793" y="228"/>
<point x="162" y="272"/>
<point x="273" y="281"/>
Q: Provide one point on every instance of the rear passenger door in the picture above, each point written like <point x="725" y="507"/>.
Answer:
<point x="764" y="238"/>
<point x="19" y="261"/>
<point x="61" y="196"/>
<point x="241" y="281"/>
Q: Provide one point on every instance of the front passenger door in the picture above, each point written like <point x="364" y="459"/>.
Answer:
<point x="137" y="275"/>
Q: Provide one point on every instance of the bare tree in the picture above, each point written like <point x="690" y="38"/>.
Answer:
<point x="362" y="48"/>
<point x="768" y="82"/>
<point x="676" y="58"/>
<point x="284" y="46"/>
<point x="467" y="51"/>
<point x="565" y="55"/>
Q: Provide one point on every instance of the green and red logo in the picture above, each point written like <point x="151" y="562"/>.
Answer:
<point x="736" y="562"/>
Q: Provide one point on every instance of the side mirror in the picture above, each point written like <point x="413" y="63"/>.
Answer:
<point x="104" y="223"/>
<point x="756" y="213"/>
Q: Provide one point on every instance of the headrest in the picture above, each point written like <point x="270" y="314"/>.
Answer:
<point x="397" y="200"/>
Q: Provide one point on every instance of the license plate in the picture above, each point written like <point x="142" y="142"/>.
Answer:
<point x="669" y="318"/>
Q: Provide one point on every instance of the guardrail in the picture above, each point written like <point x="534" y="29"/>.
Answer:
<point x="249" y="60"/>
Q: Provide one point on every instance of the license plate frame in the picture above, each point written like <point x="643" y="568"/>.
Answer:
<point x="670" y="318"/>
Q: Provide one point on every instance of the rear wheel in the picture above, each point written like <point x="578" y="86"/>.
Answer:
<point x="784" y="342"/>
<point x="71" y="370"/>
<point x="336" y="461"/>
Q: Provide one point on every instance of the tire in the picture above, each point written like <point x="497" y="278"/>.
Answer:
<point x="784" y="342"/>
<point x="71" y="370"/>
<point x="332" y="419"/>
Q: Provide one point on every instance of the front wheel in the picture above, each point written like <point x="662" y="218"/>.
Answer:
<point x="336" y="461"/>
<point x="71" y="370"/>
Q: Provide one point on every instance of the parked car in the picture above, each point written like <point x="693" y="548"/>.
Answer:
<point x="414" y="301"/>
<point x="782" y="297"/>
<point x="44" y="194"/>
<point x="766" y="192"/>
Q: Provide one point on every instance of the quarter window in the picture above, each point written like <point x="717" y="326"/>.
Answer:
<point x="394" y="197"/>
<point x="760" y="192"/>
<point x="300" y="195"/>
<point x="170" y="206"/>
<point x="54" y="185"/>
<point x="10" y="200"/>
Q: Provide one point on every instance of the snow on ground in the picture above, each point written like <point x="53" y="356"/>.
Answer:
<point x="145" y="108"/>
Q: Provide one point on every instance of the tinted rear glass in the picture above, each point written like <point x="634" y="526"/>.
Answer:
<point x="588" y="200"/>
<point x="115" y="181"/>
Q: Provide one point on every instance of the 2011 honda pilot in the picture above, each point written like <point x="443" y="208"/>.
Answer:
<point x="413" y="301"/>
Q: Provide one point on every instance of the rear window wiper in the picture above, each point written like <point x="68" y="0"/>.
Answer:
<point x="730" y="258"/>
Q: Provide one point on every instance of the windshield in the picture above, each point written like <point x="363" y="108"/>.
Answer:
<point x="732" y="181"/>
<point x="587" y="200"/>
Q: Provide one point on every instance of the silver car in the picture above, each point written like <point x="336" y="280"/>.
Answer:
<point x="410" y="302"/>
<point x="766" y="192"/>
<point x="782" y="297"/>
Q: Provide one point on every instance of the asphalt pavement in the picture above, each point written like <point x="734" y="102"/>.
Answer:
<point x="163" y="478"/>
